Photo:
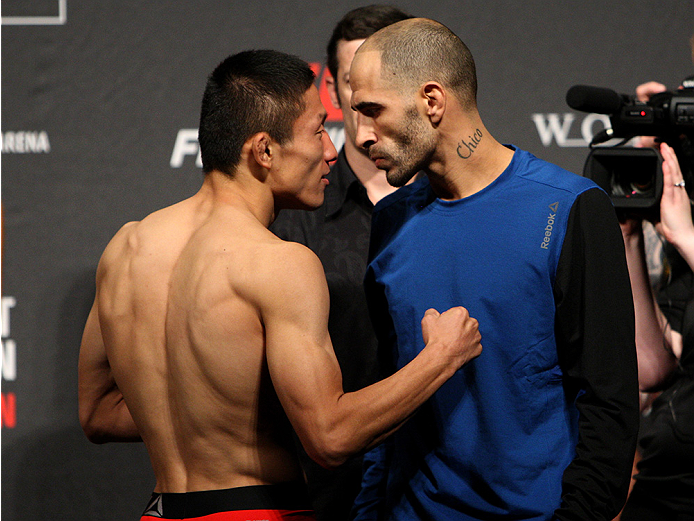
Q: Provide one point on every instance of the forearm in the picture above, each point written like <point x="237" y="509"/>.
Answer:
<point x="103" y="414"/>
<point x="333" y="425"/>
<point x="653" y="338"/>
<point x="360" y="420"/>
<point x="685" y="246"/>
<point x="108" y="419"/>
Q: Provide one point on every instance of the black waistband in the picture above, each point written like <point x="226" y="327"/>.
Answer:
<point x="285" y="496"/>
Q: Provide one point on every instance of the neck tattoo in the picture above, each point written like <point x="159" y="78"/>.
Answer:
<point x="467" y="147"/>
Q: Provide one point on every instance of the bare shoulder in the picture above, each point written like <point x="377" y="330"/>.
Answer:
<point x="294" y="259"/>
<point x="119" y="244"/>
<point x="291" y="274"/>
<point x="152" y="236"/>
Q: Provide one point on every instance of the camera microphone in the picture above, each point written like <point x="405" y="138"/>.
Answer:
<point x="594" y="99"/>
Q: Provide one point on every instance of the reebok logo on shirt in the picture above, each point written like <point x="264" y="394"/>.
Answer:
<point x="550" y="225"/>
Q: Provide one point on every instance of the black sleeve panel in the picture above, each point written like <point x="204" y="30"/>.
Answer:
<point x="597" y="354"/>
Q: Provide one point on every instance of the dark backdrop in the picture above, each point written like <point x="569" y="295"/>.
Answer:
<point x="100" y="104"/>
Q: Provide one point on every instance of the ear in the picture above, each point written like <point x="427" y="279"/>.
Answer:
<point x="434" y="96"/>
<point x="331" y="85"/>
<point x="263" y="148"/>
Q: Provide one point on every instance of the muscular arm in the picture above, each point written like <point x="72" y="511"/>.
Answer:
<point x="103" y="414"/>
<point x="595" y="342"/>
<point x="331" y="424"/>
<point x="102" y="410"/>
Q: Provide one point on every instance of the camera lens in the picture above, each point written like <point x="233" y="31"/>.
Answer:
<point x="642" y="184"/>
<point x="634" y="183"/>
<point x="632" y="177"/>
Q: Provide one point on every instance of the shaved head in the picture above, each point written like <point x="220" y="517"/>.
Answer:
<point x="418" y="50"/>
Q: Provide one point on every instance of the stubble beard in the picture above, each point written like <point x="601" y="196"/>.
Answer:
<point x="414" y="148"/>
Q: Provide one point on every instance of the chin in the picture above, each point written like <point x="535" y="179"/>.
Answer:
<point x="311" y="204"/>
<point x="295" y="202"/>
<point x="311" y="207"/>
<point x="398" y="179"/>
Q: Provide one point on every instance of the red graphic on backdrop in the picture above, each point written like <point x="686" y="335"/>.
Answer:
<point x="9" y="410"/>
<point x="333" y="113"/>
<point x="8" y="407"/>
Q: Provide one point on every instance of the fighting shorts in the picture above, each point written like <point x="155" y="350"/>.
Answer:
<point x="284" y="502"/>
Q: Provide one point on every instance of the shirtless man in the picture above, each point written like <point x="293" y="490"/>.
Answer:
<point x="208" y="332"/>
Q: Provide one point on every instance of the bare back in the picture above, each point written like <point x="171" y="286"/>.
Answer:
<point x="209" y="334"/>
<point x="186" y="344"/>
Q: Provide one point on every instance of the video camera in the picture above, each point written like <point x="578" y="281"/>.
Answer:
<point x="633" y="177"/>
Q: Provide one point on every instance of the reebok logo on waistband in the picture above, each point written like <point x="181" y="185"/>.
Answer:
<point x="550" y="225"/>
<point x="154" y="509"/>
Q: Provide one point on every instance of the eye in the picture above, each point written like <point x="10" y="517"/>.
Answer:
<point x="370" y="110"/>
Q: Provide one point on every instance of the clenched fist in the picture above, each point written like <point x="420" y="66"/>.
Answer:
<point x="454" y="332"/>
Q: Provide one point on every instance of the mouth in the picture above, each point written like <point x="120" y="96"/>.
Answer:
<point x="380" y="162"/>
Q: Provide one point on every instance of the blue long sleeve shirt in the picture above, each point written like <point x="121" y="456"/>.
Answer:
<point x="543" y="424"/>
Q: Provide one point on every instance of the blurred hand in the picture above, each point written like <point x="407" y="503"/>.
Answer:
<point x="675" y="207"/>
<point x="631" y="227"/>
<point x="646" y="90"/>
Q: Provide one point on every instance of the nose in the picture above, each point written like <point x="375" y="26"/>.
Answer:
<point x="365" y="133"/>
<point x="329" y="151"/>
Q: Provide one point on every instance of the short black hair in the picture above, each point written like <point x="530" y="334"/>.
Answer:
<point x="360" y="23"/>
<point x="250" y="92"/>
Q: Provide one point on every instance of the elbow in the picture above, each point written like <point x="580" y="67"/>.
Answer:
<point x="331" y="448"/>
<point x="93" y="433"/>
<point x="651" y="386"/>
<point x="328" y="458"/>
<point x="653" y="379"/>
<point x="92" y="428"/>
<point x="647" y="385"/>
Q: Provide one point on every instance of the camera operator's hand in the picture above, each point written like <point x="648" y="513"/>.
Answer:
<point x="646" y="90"/>
<point x="675" y="207"/>
<point x="632" y="228"/>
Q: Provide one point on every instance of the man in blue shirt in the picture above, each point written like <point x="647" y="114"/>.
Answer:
<point x="543" y="424"/>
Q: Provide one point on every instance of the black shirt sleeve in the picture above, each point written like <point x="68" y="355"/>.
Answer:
<point x="597" y="353"/>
